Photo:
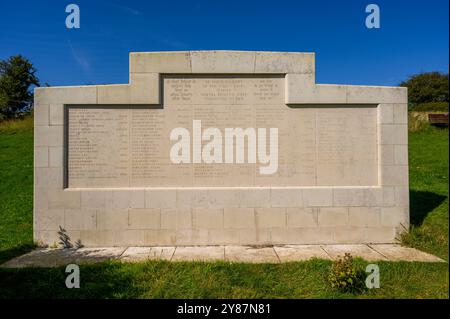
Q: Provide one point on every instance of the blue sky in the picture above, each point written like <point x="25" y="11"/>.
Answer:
<point x="413" y="36"/>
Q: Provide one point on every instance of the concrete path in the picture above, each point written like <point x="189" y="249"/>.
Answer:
<point x="46" y="257"/>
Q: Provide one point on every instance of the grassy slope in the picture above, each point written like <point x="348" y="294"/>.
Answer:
<point x="16" y="188"/>
<point x="428" y="160"/>
<point x="429" y="214"/>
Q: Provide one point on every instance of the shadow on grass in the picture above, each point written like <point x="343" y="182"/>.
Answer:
<point x="10" y="253"/>
<point x="104" y="280"/>
<point x="421" y="204"/>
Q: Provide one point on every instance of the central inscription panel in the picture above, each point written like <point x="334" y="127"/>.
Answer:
<point x="129" y="146"/>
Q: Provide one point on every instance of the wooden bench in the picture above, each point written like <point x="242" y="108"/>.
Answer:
<point x="438" y="119"/>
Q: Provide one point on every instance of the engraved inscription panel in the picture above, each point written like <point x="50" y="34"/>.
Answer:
<point x="120" y="146"/>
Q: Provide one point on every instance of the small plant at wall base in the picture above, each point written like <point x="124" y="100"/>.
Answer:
<point x="344" y="276"/>
<point x="64" y="238"/>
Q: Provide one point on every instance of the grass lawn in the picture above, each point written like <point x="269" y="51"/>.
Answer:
<point x="160" y="279"/>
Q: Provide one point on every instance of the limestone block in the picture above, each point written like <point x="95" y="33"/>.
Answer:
<point x="56" y="114"/>
<point x="41" y="157"/>
<point x="270" y="217"/>
<point x="386" y="113"/>
<point x="394" y="134"/>
<point x="376" y="94"/>
<point x="380" y="235"/>
<point x="348" y="235"/>
<point x="394" y="216"/>
<point x="195" y="198"/>
<point x="78" y="219"/>
<point x="144" y="88"/>
<point x="130" y="237"/>
<point x="192" y="237"/>
<point x="119" y="199"/>
<point x="56" y="156"/>
<point x="66" y="95"/>
<point x="173" y="218"/>
<point x="239" y="218"/>
<point x="284" y="62"/>
<point x="207" y="218"/>
<point x="160" y="62"/>
<point x="328" y="93"/>
<point x="222" y="61"/>
<point x="395" y="175"/>
<point x="163" y="198"/>
<point x="300" y="89"/>
<point x="49" y="219"/>
<point x="388" y="196"/>
<point x="94" y="199"/>
<point x="48" y="136"/>
<point x="301" y="217"/>
<point x="48" y="177"/>
<point x="223" y="236"/>
<point x="40" y="198"/>
<point x="402" y="196"/>
<point x="144" y="218"/>
<point x="297" y="85"/>
<point x="401" y="113"/>
<point x="137" y="198"/>
<point x="189" y="198"/>
<point x="333" y="216"/>
<point x="373" y="196"/>
<point x="286" y="197"/>
<point x="401" y="154"/>
<point x="59" y="198"/>
<point x="364" y="216"/>
<point x="309" y="235"/>
<point x="223" y="197"/>
<point x="255" y="197"/>
<point x="99" y="238"/>
<point x="112" y="219"/>
<point x="159" y="237"/>
<point x="252" y="236"/>
<point x="46" y="237"/>
<point x="386" y="154"/>
<point x="353" y="196"/>
<point x="114" y="94"/>
<point x="41" y="114"/>
<point x="317" y="197"/>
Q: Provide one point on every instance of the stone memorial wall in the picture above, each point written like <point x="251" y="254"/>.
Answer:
<point x="221" y="147"/>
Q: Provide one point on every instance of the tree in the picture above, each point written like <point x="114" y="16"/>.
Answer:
<point x="17" y="76"/>
<point x="427" y="87"/>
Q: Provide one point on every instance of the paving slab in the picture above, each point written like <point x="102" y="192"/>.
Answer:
<point x="199" y="253"/>
<point x="362" y="251"/>
<point x="248" y="254"/>
<point x="137" y="254"/>
<point x="288" y="253"/>
<point x="47" y="257"/>
<point x="401" y="253"/>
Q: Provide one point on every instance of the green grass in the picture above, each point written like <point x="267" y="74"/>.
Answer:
<point x="160" y="279"/>
<point x="428" y="162"/>
<point x="16" y="188"/>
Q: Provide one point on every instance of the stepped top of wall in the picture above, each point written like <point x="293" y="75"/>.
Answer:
<point x="247" y="62"/>
<point x="147" y="68"/>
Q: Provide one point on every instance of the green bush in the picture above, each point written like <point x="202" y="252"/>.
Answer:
<point x="431" y="107"/>
<point x="345" y="276"/>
